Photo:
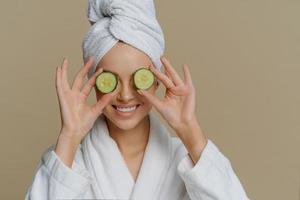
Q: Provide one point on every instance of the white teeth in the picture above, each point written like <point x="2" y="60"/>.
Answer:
<point x="129" y="109"/>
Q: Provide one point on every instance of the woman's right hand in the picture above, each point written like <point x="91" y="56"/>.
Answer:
<point x="77" y="116"/>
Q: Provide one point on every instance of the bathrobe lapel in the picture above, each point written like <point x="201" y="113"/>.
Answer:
<point x="106" y="163"/>
<point x="112" y="176"/>
<point x="156" y="161"/>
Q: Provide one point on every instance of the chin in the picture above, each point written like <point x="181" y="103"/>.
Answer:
<point x="126" y="121"/>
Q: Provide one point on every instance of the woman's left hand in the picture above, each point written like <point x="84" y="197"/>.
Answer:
<point x="178" y="105"/>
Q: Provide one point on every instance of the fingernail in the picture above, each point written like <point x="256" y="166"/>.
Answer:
<point x="139" y="91"/>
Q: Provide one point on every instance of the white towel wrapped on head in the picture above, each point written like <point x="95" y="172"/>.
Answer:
<point x="131" y="21"/>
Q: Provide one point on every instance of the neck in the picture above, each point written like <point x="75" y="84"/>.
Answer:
<point x="131" y="142"/>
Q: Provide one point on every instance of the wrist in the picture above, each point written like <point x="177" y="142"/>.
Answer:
<point x="188" y="126"/>
<point x="66" y="147"/>
<point x="190" y="134"/>
<point x="193" y="138"/>
<point x="70" y="136"/>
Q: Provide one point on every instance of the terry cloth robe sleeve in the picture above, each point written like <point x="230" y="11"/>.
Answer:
<point x="212" y="177"/>
<point x="53" y="179"/>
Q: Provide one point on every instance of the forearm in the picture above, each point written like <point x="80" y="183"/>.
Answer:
<point x="193" y="139"/>
<point x="66" y="147"/>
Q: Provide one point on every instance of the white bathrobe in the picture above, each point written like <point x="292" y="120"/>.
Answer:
<point x="167" y="172"/>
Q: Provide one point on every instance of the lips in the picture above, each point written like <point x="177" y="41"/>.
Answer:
<point x="126" y="112"/>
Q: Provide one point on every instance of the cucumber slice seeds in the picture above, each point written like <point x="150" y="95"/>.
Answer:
<point x="106" y="82"/>
<point x="143" y="78"/>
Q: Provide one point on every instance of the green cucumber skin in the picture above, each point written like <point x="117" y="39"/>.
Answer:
<point x="115" y="84"/>
<point x="149" y="85"/>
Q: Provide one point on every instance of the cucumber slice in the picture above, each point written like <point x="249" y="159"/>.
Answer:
<point x="143" y="78"/>
<point x="106" y="82"/>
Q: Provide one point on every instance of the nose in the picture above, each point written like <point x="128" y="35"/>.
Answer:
<point x="126" y="92"/>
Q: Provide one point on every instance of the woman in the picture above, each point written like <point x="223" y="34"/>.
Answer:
<point x="117" y="148"/>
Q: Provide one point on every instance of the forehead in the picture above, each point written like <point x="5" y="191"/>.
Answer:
<point x="124" y="59"/>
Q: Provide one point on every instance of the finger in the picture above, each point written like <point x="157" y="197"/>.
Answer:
<point x="162" y="77"/>
<point x="151" y="98"/>
<point x="58" y="80"/>
<point x="168" y="67"/>
<point x="58" y="86"/>
<point x="168" y="74"/>
<point x="187" y="75"/>
<point x="64" y="74"/>
<point x="90" y="84"/>
<point x="81" y="74"/>
<point x="176" y="90"/>
<point x="103" y="102"/>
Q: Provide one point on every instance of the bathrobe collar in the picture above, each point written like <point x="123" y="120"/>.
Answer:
<point x="112" y="176"/>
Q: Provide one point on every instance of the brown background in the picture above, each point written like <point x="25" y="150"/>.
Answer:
<point x="245" y="61"/>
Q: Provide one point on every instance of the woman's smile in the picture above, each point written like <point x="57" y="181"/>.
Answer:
<point x="126" y="111"/>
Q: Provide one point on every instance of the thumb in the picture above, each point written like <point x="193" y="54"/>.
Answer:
<point x="102" y="103"/>
<point x="151" y="98"/>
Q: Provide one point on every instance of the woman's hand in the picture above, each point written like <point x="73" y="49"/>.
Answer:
<point x="77" y="116"/>
<point x="178" y="107"/>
